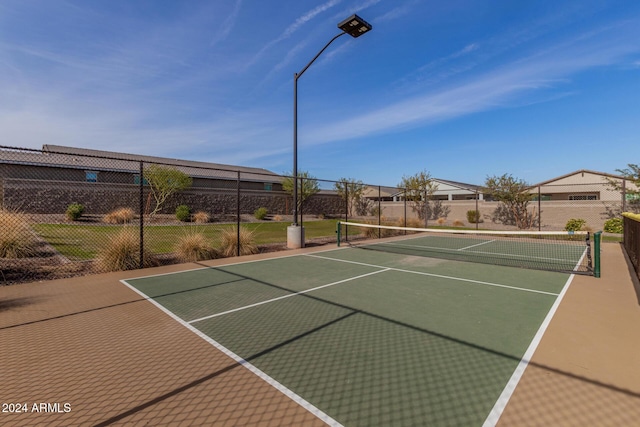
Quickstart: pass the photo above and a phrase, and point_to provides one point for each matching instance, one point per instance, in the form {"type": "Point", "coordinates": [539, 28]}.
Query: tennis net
{"type": "Point", "coordinates": [575, 252]}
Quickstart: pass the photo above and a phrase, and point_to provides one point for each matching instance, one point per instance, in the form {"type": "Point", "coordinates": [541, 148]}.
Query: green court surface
{"type": "Point", "coordinates": [365, 338]}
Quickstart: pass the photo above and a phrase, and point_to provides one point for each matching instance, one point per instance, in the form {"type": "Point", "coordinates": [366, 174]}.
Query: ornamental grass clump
{"type": "Point", "coordinates": [17, 240]}
{"type": "Point", "coordinates": [194, 247]}
{"type": "Point", "coordinates": [122, 252]}
{"type": "Point", "coordinates": [201, 217]}
{"type": "Point", "coordinates": [229, 241]}
{"type": "Point", "coordinates": [119, 216]}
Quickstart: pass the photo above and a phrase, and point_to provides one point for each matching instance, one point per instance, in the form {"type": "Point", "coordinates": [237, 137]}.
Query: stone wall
{"type": "Point", "coordinates": [53, 197]}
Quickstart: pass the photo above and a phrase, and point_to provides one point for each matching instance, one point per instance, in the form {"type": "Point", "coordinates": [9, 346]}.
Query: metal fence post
{"type": "Point", "coordinates": [238, 214]}
{"type": "Point", "coordinates": [624, 195]}
{"type": "Point", "coordinates": [379, 212]}
{"type": "Point", "coordinates": [141, 210]}
{"type": "Point", "coordinates": [539, 209]}
{"type": "Point", "coordinates": [404, 196]}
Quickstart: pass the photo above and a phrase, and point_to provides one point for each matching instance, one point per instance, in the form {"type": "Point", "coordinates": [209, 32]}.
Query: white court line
{"type": "Point", "coordinates": [526, 257]}
{"type": "Point", "coordinates": [506, 394]}
{"type": "Point", "coordinates": [286, 296]}
{"type": "Point", "coordinates": [501, 403]}
{"type": "Point", "coordinates": [477, 244]}
{"type": "Point", "coordinates": [459, 279]}
{"type": "Point", "coordinates": [260, 374]}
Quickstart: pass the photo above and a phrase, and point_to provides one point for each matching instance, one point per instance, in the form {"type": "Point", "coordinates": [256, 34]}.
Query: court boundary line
{"type": "Point", "coordinates": [241, 361]}
{"type": "Point", "coordinates": [502, 401]}
{"type": "Point", "coordinates": [441, 276]}
{"type": "Point", "coordinates": [286, 296]}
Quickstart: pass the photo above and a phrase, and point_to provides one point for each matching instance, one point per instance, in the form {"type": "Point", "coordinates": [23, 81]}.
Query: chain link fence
{"type": "Point", "coordinates": [551, 207]}
{"type": "Point", "coordinates": [70, 213]}
{"type": "Point", "coordinates": [64, 214]}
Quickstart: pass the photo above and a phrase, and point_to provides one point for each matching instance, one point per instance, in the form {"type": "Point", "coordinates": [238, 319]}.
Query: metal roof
{"type": "Point", "coordinates": [82, 158]}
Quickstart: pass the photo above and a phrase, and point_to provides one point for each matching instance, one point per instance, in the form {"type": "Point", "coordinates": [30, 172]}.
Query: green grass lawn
{"type": "Point", "coordinates": [82, 241]}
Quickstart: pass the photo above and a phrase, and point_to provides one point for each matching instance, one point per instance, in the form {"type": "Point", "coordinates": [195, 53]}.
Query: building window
{"type": "Point", "coordinates": [583, 197]}
{"type": "Point", "coordinates": [136, 180]}
{"type": "Point", "coordinates": [91, 176]}
{"type": "Point", "coordinates": [268, 186]}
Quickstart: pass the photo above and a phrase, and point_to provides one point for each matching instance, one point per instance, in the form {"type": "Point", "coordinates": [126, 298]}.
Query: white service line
{"type": "Point", "coordinates": [516, 256]}
{"type": "Point", "coordinates": [459, 279]}
{"type": "Point", "coordinates": [477, 244]}
{"type": "Point", "coordinates": [286, 296]}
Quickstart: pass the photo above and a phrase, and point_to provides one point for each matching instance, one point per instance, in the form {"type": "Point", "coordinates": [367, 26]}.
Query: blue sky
{"type": "Point", "coordinates": [462, 89]}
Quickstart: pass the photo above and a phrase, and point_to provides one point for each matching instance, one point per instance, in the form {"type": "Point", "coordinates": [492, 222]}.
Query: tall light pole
{"type": "Point", "coordinates": [355, 27]}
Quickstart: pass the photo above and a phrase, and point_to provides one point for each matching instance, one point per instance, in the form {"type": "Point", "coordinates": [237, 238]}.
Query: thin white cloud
{"type": "Point", "coordinates": [291, 29]}
{"type": "Point", "coordinates": [500, 88]}
{"type": "Point", "coordinates": [307, 17]}
{"type": "Point", "coordinates": [228, 24]}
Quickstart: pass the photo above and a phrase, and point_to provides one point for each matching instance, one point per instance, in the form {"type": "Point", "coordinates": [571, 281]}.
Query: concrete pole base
{"type": "Point", "coordinates": [295, 237]}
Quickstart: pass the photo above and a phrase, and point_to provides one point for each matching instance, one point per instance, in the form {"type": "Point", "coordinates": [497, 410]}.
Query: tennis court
{"type": "Point", "coordinates": [369, 337]}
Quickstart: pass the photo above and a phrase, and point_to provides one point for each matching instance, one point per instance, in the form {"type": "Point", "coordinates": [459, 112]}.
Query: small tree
{"type": "Point", "coordinates": [163, 182]}
{"type": "Point", "coordinates": [307, 186]}
{"type": "Point", "coordinates": [351, 191]}
{"type": "Point", "coordinates": [514, 196]}
{"type": "Point", "coordinates": [419, 189]}
{"type": "Point", "coordinates": [631, 173]}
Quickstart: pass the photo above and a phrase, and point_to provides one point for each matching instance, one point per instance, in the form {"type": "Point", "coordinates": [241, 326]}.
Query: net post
{"type": "Point", "coordinates": [338, 232]}
{"type": "Point", "coordinates": [596, 254]}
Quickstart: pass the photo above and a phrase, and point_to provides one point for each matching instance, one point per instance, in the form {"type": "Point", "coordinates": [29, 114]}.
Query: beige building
{"type": "Point", "coordinates": [584, 185]}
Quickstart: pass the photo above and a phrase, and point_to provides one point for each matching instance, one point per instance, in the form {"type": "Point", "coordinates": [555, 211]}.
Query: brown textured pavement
{"type": "Point", "coordinates": [115, 359]}
{"type": "Point", "coordinates": [586, 370]}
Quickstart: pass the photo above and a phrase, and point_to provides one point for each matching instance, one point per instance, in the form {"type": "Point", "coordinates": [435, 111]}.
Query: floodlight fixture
{"type": "Point", "coordinates": [354, 26]}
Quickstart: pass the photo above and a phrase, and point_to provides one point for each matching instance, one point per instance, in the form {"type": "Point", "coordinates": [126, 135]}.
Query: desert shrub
{"type": "Point", "coordinates": [229, 241]}
{"type": "Point", "coordinates": [183, 213]}
{"type": "Point", "coordinates": [122, 252]}
{"type": "Point", "coordinates": [201, 217]}
{"type": "Point", "coordinates": [473, 217]}
{"type": "Point", "coordinates": [613, 225]}
{"type": "Point", "coordinates": [74, 211]}
{"type": "Point", "coordinates": [374, 233]}
{"type": "Point", "coordinates": [374, 211]}
{"type": "Point", "coordinates": [458, 223]}
{"type": "Point", "coordinates": [119, 216]}
{"type": "Point", "coordinates": [194, 247]}
{"type": "Point", "coordinates": [16, 238]}
{"type": "Point", "coordinates": [260, 213]}
{"type": "Point", "coordinates": [575, 224]}
{"type": "Point", "coordinates": [441, 221]}
{"type": "Point", "coordinates": [415, 223]}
